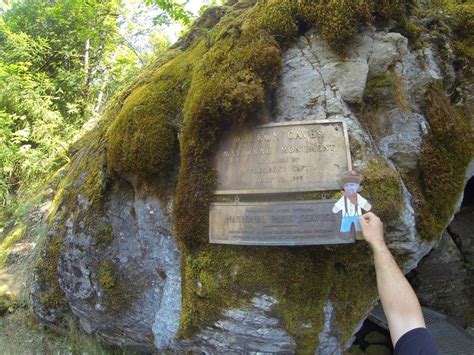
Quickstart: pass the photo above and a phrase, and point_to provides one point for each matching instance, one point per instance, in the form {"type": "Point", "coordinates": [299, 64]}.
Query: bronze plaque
{"type": "Point", "coordinates": [276, 223]}
{"type": "Point", "coordinates": [283, 157]}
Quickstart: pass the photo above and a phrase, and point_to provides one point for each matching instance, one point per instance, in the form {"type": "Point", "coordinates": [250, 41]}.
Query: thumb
{"type": "Point", "coordinates": [365, 219]}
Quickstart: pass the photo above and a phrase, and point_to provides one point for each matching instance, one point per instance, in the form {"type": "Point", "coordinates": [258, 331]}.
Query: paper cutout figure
{"type": "Point", "coordinates": [351, 204]}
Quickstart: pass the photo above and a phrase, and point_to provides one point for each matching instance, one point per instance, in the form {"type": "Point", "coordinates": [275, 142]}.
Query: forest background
{"type": "Point", "coordinates": [60, 61]}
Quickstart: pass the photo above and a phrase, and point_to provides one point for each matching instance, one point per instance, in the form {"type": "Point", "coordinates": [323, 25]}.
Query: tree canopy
{"type": "Point", "coordinates": [60, 60]}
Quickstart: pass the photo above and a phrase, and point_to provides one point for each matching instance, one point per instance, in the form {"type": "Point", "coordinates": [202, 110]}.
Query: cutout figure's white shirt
{"type": "Point", "coordinates": [351, 208]}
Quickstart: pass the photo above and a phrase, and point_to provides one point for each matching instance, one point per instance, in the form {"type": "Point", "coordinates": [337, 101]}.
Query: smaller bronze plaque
{"type": "Point", "coordinates": [276, 223]}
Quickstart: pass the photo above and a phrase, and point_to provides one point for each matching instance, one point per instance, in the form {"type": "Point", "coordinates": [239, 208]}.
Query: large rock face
{"type": "Point", "coordinates": [127, 250]}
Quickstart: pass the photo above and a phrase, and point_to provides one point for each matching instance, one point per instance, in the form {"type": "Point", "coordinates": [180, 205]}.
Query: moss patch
{"type": "Point", "coordinates": [46, 271]}
{"type": "Point", "coordinates": [119, 292]}
{"type": "Point", "coordinates": [443, 162]}
{"type": "Point", "coordinates": [7, 302]}
{"type": "Point", "coordinates": [104, 236]}
{"type": "Point", "coordinates": [119, 289]}
{"type": "Point", "coordinates": [382, 189]}
{"type": "Point", "coordinates": [301, 279]}
{"type": "Point", "coordinates": [142, 139]}
{"type": "Point", "coordinates": [461, 19]}
{"type": "Point", "coordinates": [337, 20]}
{"type": "Point", "coordinates": [386, 86]}
{"type": "Point", "coordinates": [228, 87]}
{"type": "Point", "coordinates": [107, 279]}
{"type": "Point", "coordinates": [10, 239]}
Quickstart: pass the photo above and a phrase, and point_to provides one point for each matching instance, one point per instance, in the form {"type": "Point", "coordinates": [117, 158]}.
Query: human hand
{"type": "Point", "coordinates": [372, 230]}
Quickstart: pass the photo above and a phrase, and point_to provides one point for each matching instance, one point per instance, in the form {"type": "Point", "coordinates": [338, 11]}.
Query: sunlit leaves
{"type": "Point", "coordinates": [172, 10]}
{"type": "Point", "coordinates": [60, 61]}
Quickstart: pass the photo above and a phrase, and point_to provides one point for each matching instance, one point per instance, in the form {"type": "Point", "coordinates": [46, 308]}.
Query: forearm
{"type": "Point", "coordinates": [399, 301]}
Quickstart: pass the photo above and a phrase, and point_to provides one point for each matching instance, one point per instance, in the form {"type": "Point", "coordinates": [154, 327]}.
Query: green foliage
{"type": "Point", "coordinates": [33, 136]}
{"type": "Point", "coordinates": [44, 86]}
{"type": "Point", "coordinates": [59, 61]}
{"type": "Point", "coordinates": [71, 61]}
{"type": "Point", "coordinates": [172, 10]}
{"type": "Point", "coordinates": [22, 334]}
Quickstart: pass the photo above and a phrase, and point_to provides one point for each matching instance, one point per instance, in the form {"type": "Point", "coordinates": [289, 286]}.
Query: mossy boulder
{"type": "Point", "coordinates": [128, 249]}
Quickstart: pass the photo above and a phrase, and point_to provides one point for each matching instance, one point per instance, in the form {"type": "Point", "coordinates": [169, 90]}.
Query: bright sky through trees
{"type": "Point", "coordinates": [175, 29]}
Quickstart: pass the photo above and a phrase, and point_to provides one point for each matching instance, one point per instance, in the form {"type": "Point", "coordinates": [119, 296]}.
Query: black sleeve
{"type": "Point", "coordinates": [417, 341]}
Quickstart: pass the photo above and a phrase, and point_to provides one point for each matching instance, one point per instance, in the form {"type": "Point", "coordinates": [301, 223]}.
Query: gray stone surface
{"type": "Point", "coordinates": [443, 282]}
{"type": "Point", "coordinates": [317, 84]}
{"type": "Point", "coordinates": [462, 231]}
{"type": "Point", "coordinates": [403, 145]}
{"type": "Point", "coordinates": [248, 330]}
{"type": "Point", "coordinates": [329, 339]}
{"type": "Point", "coordinates": [309, 67]}
{"type": "Point", "coordinates": [148, 272]}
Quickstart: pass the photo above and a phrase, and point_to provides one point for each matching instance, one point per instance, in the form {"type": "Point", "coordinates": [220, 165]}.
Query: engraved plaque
{"type": "Point", "coordinates": [283, 157]}
{"type": "Point", "coordinates": [276, 223]}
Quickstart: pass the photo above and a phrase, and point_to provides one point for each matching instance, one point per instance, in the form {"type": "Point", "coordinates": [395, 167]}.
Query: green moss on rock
{"type": "Point", "coordinates": [301, 279]}
{"type": "Point", "coordinates": [275, 17]}
{"type": "Point", "coordinates": [460, 19]}
{"type": "Point", "coordinates": [377, 350]}
{"type": "Point", "coordinates": [444, 158]}
{"type": "Point", "coordinates": [107, 279]}
{"type": "Point", "coordinates": [7, 302]}
{"type": "Point", "coordinates": [10, 239]}
{"type": "Point", "coordinates": [375, 337]}
{"type": "Point", "coordinates": [338, 23]}
{"type": "Point", "coordinates": [46, 272]}
{"type": "Point", "coordinates": [118, 291]}
{"type": "Point", "coordinates": [354, 287]}
{"type": "Point", "coordinates": [385, 86]}
{"type": "Point", "coordinates": [227, 88]}
{"type": "Point", "coordinates": [142, 140]}
{"type": "Point", "coordinates": [382, 188]}
{"type": "Point", "coordinates": [104, 236]}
